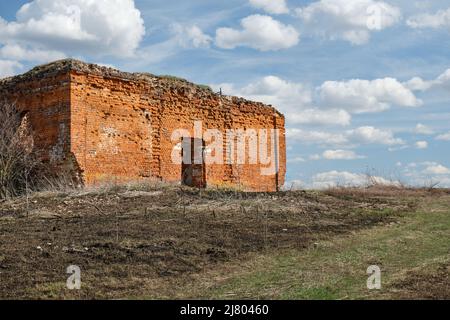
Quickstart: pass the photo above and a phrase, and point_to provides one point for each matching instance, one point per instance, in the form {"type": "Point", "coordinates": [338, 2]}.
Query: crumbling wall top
{"type": "Point", "coordinates": [68, 65]}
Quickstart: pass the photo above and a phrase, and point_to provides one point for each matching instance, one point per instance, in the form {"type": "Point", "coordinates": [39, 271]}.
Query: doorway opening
{"type": "Point", "coordinates": [193, 169]}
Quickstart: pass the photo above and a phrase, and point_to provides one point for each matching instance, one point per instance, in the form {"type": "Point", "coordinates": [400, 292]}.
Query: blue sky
{"type": "Point", "coordinates": [364, 84]}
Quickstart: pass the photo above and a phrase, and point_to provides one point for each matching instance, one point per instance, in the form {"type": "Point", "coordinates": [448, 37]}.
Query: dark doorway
{"type": "Point", "coordinates": [193, 168]}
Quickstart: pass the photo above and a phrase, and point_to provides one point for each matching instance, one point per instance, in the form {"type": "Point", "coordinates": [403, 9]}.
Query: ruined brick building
{"type": "Point", "coordinates": [105, 125]}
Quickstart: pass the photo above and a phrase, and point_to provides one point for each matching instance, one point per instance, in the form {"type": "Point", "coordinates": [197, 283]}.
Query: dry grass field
{"type": "Point", "coordinates": [168, 242]}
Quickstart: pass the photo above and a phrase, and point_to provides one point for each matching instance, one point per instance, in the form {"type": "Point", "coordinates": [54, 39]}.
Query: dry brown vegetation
{"type": "Point", "coordinates": [425, 284]}
{"type": "Point", "coordinates": [22, 169]}
{"type": "Point", "coordinates": [18, 159]}
{"type": "Point", "coordinates": [380, 190]}
{"type": "Point", "coordinates": [148, 240]}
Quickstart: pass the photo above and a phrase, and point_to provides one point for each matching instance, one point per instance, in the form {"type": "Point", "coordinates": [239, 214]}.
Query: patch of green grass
{"type": "Point", "coordinates": [204, 87]}
{"type": "Point", "coordinates": [336, 269]}
{"type": "Point", "coordinates": [172, 78]}
{"type": "Point", "coordinates": [178, 79]}
{"type": "Point", "coordinates": [52, 290]}
{"type": "Point", "coordinates": [316, 293]}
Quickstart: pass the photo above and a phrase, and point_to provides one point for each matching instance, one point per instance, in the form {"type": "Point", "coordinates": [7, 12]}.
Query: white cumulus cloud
{"type": "Point", "coordinates": [191, 36]}
{"type": "Point", "coordinates": [9, 68]}
{"type": "Point", "coordinates": [271, 6]}
{"type": "Point", "coordinates": [371, 135]}
{"type": "Point", "coordinates": [444, 137]}
{"type": "Point", "coordinates": [101, 27]}
{"type": "Point", "coordinates": [17, 52]}
{"type": "Point", "coordinates": [349, 20]}
{"type": "Point", "coordinates": [316, 137]}
{"type": "Point", "coordinates": [335, 178]}
{"type": "Point", "coordinates": [296, 160]}
{"type": "Point", "coordinates": [274, 90]}
{"type": "Point", "coordinates": [258, 32]}
{"type": "Point", "coordinates": [436, 169]}
{"type": "Point", "coordinates": [419, 84]}
{"type": "Point", "coordinates": [423, 129]}
{"type": "Point", "coordinates": [429, 173]}
{"type": "Point", "coordinates": [443, 80]}
{"type": "Point", "coordinates": [349, 138]}
{"type": "Point", "coordinates": [331, 103]}
{"type": "Point", "coordinates": [421, 144]}
{"type": "Point", "coordinates": [341, 155]}
{"type": "Point", "coordinates": [364, 96]}
{"type": "Point", "coordinates": [320, 117]}
{"type": "Point", "coordinates": [292, 98]}
{"type": "Point", "coordinates": [440, 19]}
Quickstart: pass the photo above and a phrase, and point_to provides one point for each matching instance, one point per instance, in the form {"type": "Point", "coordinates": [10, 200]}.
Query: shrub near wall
{"type": "Point", "coordinates": [18, 161]}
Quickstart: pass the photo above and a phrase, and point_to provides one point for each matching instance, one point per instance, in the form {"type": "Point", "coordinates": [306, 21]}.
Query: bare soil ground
{"type": "Point", "coordinates": [149, 242]}
{"type": "Point", "coordinates": [433, 285]}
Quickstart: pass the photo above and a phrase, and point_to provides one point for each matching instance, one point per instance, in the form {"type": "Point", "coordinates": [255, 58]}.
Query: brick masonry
{"type": "Point", "coordinates": [105, 125]}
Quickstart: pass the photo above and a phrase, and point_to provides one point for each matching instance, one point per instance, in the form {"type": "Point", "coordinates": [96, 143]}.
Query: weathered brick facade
{"type": "Point", "coordinates": [106, 125]}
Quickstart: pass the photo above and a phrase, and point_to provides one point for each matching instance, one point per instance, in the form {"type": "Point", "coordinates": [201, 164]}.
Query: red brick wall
{"type": "Point", "coordinates": [46, 100]}
{"type": "Point", "coordinates": [122, 129]}
{"type": "Point", "coordinates": [117, 126]}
